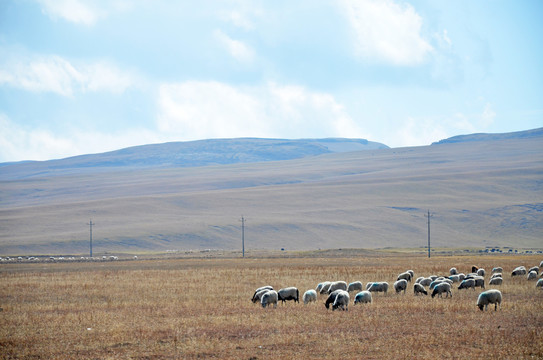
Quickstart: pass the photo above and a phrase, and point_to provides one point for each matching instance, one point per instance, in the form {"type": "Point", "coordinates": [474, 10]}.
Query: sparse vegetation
{"type": "Point", "coordinates": [201, 308]}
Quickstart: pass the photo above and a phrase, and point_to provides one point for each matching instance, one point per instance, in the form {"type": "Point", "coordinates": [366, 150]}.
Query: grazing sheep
{"type": "Point", "coordinates": [267, 287]}
{"type": "Point", "coordinates": [379, 287]}
{"type": "Point", "coordinates": [419, 289]}
{"type": "Point", "coordinates": [289, 293]}
{"type": "Point", "coordinates": [325, 287]}
{"type": "Point", "coordinates": [532, 275]}
{"type": "Point", "coordinates": [497, 270]}
{"type": "Point", "coordinates": [439, 289]}
{"type": "Point", "coordinates": [479, 282]}
{"type": "Point", "coordinates": [337, 285]}
{"type": "Point", "coordinates": [319, 287]}
{"type": "Point", "coordinates": [466, 284]}
{"type": "Point", "coordinates": [341, 301]}
{"type": "Point", "coordinates": [433, 277]}
{"type": "Point", "coordinates": [309, 296]}
{"type": "Point", "coordinates": [434, 283]}
{"type": "Point", "coordinates": [270, 297]}
{"type": "Point", "coordinates": [454, 278]}
{"type": "Point", "coordinates": [400, 285]}
{"type": "Point", "coordinates": [539, 284]}
{"type": "Point", "coordinates": [355, 286]}
{"type": "Point", "coordinates": [331, 298]}
{"type": "Point", "coordinates": [453, 271]}
{"type": "Point", "coordinates": [520, 270]}
{"type": "Point", "coordinates": [363, 297]}
{"type": "Point", "coordinates": [534, 268]}
{"type": "Point", "coordinates": [368, 285]}
{"type": "Point", "coordinates": [419, 279]}
{"type": "Point", "coordinates": [258, 296]}
{"type": "Point", "coordinates": [461, 276]}
{"type": "Point", "coordinates": [489, 297]}
{"type": "Point", "coordinates": [426, 281]}
{"type": "Point", "coordinates": [496, 281]}
{"type": "Point", "coordinates": [474, 269]}
{"type": "Point", "coordinates": [412, 273]}
{"type": "Point", "coordinates": [406, 276]}
{"type": "Point", "coordinates": [541, 264]}
{"type": "Point", "coordinates": [496, 275]}
{"type": "Point", "coordinates": [481, 272]}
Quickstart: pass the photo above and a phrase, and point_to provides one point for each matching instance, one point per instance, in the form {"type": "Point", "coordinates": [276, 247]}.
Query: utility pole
{"type": "Point", "coordinates": [243, 235]}
{"type": "Point", "coordinates": [90, 225]}
{"type": "Point", "coordinates": [428, 216]}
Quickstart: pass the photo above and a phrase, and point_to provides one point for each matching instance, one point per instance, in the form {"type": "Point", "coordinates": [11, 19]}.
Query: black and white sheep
{"type": "Point", "coordinates": [419, 289]}
{"type": "Point", "coordinates": [341, 301]}
{"type": "Point", "coordinates": [331, 298]}
{"type": "Point", "coordinates": [400, 285]}
{"type": "Point", "coordinates": [378, 287]}
{"type": "Point", "coordinates": [309, 296]}
{"type": "Point", "coordinates": [439, 289]}
{"type": "Point", "coordinates": [289, 293]}
{"type": "Point", "coordinates": [492, 296]}
{"type": "Point", "coordinates": [355, 286]}
{"type": "Point", "coordinates": [260, 289]}
{"type": "Point", "coordinates": [532, 275]}
{"type": "Point", "coordinates": [496, 275]}
{"type": "Point", "coordinates": [258, 296]}
{"type": "Point", "coordinates": [363, 297]}
{"type": "Point", "coordinates": [534, 268]}
{"type": "Point", "coordinates": [496, 281]}
{"type": "Point", "coordinates": [270, 297]}
{"type": "Point", "coordinates": [337, 285]}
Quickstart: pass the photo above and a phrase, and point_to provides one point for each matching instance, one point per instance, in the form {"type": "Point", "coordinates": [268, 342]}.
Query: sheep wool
{"type": "Point", "coordinates": [489, 297]}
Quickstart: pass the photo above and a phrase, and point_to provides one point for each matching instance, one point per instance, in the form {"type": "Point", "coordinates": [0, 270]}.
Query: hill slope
{"type": "Point", "coordinates": [483, 193]}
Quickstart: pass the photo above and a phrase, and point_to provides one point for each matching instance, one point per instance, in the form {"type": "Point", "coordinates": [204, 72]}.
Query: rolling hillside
{"type": "Point", "coordinates": [330, 194]}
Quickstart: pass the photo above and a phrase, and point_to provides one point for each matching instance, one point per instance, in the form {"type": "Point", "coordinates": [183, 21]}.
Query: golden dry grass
{"type": "Point", "coordinates": [201, 308]}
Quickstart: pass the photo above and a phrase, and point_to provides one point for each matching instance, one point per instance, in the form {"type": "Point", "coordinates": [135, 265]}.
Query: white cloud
{"type": "Point", "coordinates": [75, 11]}
{"type": "Point", "coordinates": [385, 31]}
{"type": "Point", "coordinates": [197, 110]}
{"type": "Point", "coordinates": [57, 75]}
{"type": "Point", "coordinates": [488, 115]}
{"type": "Point", "coordinates": [237, 49]}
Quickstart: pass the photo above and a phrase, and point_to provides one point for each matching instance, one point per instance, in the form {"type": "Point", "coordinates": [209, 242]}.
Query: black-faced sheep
{"type": "Point", "coordinates": [496, 281]}
{"type": "Point", "coordinates": [520, 270]}
{"type": "Point", "coordinates": [534, 268]}
{"type": "Point", "coordinates": [439, 289]}
{"type": "Point", "coordinates": [331, 298]}
{"type": "Point", "coordinates": [355, 286]}
{"type": "Point", "coordinates": [532, 275]}
{"type": "Point", "coordinates": [492, 296]}
{"type": "Point", "coordinates": [258, 296]}
{"type": "Point", "coordinates": [267, 287]}
{"type": "Point", "coordinates": [289, 293]}
{"type": "Point", "coordinates": [419, 289]}
{"type": "Point", "coordinates": [379, 287]}
{"type": "Point", "coordinates": [363, 297]}
{"type": "Point", "coordinates": [400, 285]}
{"type": "Point", "coordinates": [341, 301]}
{"type": "Point", "coordinates": [270, 297]}
{"type": "Point", "coordinates": [337, 285]}
{"type": "Point", "coordinates": [309, 296]}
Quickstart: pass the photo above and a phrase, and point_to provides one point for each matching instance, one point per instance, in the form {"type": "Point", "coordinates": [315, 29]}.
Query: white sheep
{"type": "Point", "coordinates": [481, 272]}
{"type": "Point", "coordinates": [466, 284]}
{"type": "Point", "coordinates": [532, 275]}
{"type": "Point", "coordinates": [419, 289]}
{"type": "Point", "coordinates": [258, 296]}
{"type": "Point", "coordinates": [309, 296]}
{"type": "Point", "coordinates": [379, 287]}
{"type": "Point", "coordinates": [363, 297]}
{"type": "Point", "coordinates": [355, 286]}
{"type": "Point", "coordinates": [267, 287]}
{"type": "Point", "coordinates": [406, 276]}
{"type": "Point", "coordinates": [439, 289]}
{"type": "Point", "coordinates": [289, 293]}
{"type": "Point", "coordinates": [319, 287]}
{"type": "Point", "coordinates": [400, 285]}
{"type": "Point", "coordinates": [426, 281]}
{"type": "Point", "coordinates": [331, 298]}
{"type": "Point", "coordinates": [492, 296]}
{"type": "Point", "coordinates": [325, 287]}
{"type": "Point", "coordinates": [454, 278]}
{"type": "Point", "coordinates": [270, 297]}
{"type": "Point", "coordinates": [497, 270]}
{"type": "Point", "coordinates": [496, 281]}
{"type": "Point", "coordinates": [337, 285]}
{"type": "Point", "coordinates": [479, 282]}
{"type": "Point", "coordinates": [496, 275]}
{"type": "Point", "coordinates": [341, 301]}
{"type": "Point", "coordinates": [453, 271]}
{"type": "Point", "coordinates": [419, 279]}
{"type": "Point", "coordinates": [534, 268]}
{"type": "Point", "coordinates": [519, 270]}
{"type": "Point", "coordinates": [539, 284]}
{"type": "Point", "coordinates": [412, 273]}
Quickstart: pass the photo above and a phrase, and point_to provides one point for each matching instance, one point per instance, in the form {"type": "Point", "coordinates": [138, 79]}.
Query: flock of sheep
{"type": "Point", "coordinates": [339, 291]}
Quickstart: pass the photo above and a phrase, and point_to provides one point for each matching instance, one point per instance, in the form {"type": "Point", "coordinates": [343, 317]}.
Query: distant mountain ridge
{"type": "Point", "coordinates": [194, 154]}
{"type": "Point", "coordinates": [492, 137]}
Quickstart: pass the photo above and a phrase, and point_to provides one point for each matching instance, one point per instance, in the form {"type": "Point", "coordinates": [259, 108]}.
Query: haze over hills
{"type": "Point", "coordinates": [295, 194]}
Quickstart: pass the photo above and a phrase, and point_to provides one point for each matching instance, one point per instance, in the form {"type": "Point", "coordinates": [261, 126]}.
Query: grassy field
{"type": "Point", "coordinates": [201, 308]}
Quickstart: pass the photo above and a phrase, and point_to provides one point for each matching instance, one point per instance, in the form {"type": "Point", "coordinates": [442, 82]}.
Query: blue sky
{"type": "Point", "coordinates": [80, 76]}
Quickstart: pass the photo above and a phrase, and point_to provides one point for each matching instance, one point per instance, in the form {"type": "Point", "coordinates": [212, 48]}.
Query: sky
{"type": "Point", "coordinates": [89, 76]}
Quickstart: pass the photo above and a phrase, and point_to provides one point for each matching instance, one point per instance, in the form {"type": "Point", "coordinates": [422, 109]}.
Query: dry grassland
{"type": "Point", "coordinates": [201, 308]}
